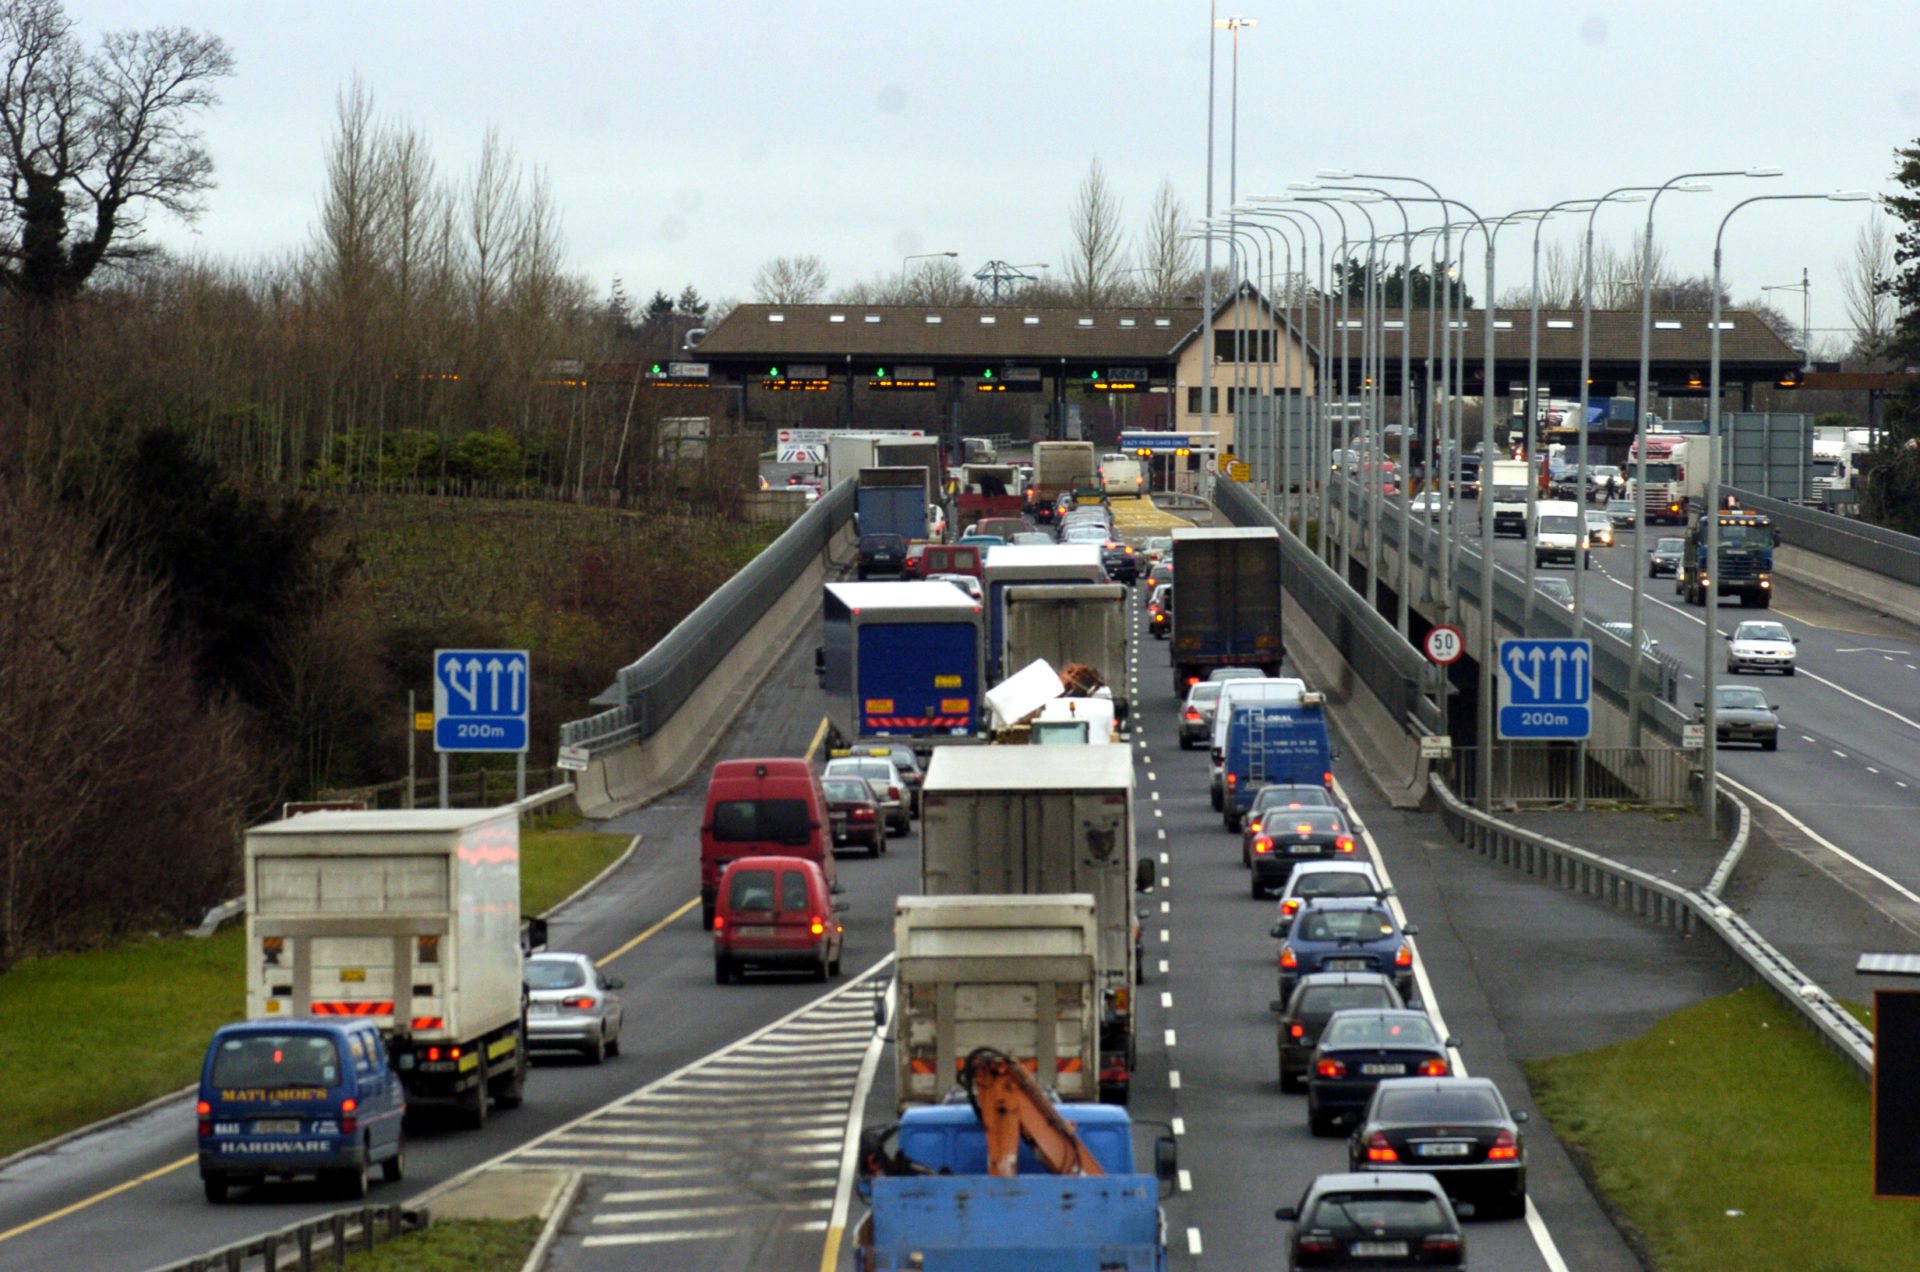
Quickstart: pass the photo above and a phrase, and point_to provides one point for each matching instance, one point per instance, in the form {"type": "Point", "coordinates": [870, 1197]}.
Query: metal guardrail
{"type": "Point", "coordinates": [1394, 670]}
{"type": "Point", "coordinates": [664, 677]}
{"type": "Point", "coordinates": [317, 1242]}
{"type": "Point", "coordinates": [1860, 544]}
{"type": "Point", "coordinates": [1537, 774]}
{"type": "Point", "coordinates": [1650, 897]}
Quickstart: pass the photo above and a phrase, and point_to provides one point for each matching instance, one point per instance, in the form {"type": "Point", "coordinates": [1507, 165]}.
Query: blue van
{"type": "Point", "coordinates": [300, 1097]}
{"type": "Point", "coordinates": [1272, 742]}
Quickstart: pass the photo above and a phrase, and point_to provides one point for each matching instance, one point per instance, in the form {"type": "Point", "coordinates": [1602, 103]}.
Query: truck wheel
{"type": "Point", "coordinates": [513, 1092]}
{"type": "Point", "coordinates": [349, 1184]}
{"type": "Point", "coordinates": [1217, 799]}
{"type": "Point", "coordinates": [1231, 817]}
{"type": "Point", "coordinates": [476, 1110]}
{"type": "Point", "coordinates": [1259, 890]}
{"type": "Point", "coordinates": [215, 1183]}
{"type": "Point", "coordinates": [394, 1169]}
{"type": "Point", "coordinates": [1115, 1093]}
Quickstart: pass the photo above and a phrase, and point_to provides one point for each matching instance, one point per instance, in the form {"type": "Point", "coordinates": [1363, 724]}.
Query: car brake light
{"type": "Point", "coordinates": [1303, 828]}
{"type": "Point", "coordinates": [1504, 1148]}
{"type": "Point", "coordinates": [1263, 845]}
{"type": "Point", "coordinates": [1232, 780]}
{"type": "Point", "coordinates": [349, 1120]}
{"type": "Point", "coordinates": [1328, 1067]}
{"type": "Point", "coordinates": [1315, 1243]}
{"type": "Point", "coordinates": [1326, 779]}
{"type": "Point", "coordinates": [1297, 1029]}
{"type": "Point", "coordinates": [579, 1000]}
{"type": "Point", "coordinates": [816, 926]}
{"type": "Point", "coordinates": [204, 1112]}
{"type": "Point", "coordinates": [719, 921]}
{"type": "Point", "coordinates": [1192, 681]}
{"type": "Point", "coordinates": [863, 814]}
{"type": "Point", "coordinates": [1403, 957]}
{"type": "Point", "coordinates": [433, 1053]}
{"type": "Point", "coordinates": [1433, 1069]}
{"type": "Point", "coordinates": [1344, 843]}
{"type": "Point", "coordinates": [1193, 716]}
{"type": "Point", "coordinates": [1378, 1150]}
{"type": "Point", "coordinates": [1287, 958]}
{"type": "Point", "coordinates": [893, 792]}
{"type": "Point", "coordinates": [1445, 1243]}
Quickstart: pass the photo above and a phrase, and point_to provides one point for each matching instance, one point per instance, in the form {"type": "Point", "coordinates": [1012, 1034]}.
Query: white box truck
{"type": "Point", "coordinates": [1074, 623]}
{"type": "Point", "coordinates": [411, 918]}
{"type": "Point", "coordinates": [1509, 482]}
{"type": "Point", "coordinates": [1013, 973]}
{"type": "Point", "coordinates": [1016, 821]}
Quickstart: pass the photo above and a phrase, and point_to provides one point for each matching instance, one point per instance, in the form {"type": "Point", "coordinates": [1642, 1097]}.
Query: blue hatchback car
{"type": "Point", "coordinates": [1347, 934]}
{"type": "Point", "coordinates": [280, 1099]}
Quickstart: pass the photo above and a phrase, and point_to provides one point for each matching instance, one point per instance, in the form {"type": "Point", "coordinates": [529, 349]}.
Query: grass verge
{"type": "Point", "coordinates": [454, 1245]}
{"type": "Point", "coordinates": [84, 1036]}
{"type": "Point", "coordinates": [1731, 1139]}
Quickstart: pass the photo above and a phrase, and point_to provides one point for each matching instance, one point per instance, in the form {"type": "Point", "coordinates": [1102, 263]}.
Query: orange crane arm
{"type": "Point", "coordinates": [1012, 1107]}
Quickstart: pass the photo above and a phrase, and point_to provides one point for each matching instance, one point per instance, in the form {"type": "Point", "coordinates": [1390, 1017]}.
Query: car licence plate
{"type": "Point", "coordinates": [277, 1126]}
{"type": "Point", "coordinates": [1380, 1249]}
{"type": "Point", "coordinates": [1346, 964]}
{"type": "Point", "coordinates": [756, 930]}
{"type": "Point", "coordinates": [1383, 1070]}
{"type": "Point", "coordinates": [541, 1009]}
{"type": "Point", "coordinates": [1444, 1150]}
{"type": "Point", "coordinates": [1299, 848]}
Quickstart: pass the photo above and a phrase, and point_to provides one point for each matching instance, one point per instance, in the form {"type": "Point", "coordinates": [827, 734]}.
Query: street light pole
{"type": "Point", "coordinates": [1805, 288]}
{"type": "Point", "coordinates": [1206, 277]}
{"type": "Point", "coordinates": [1710, 719]}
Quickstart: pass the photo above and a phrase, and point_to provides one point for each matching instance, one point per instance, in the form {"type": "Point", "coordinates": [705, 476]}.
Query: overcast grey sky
{"type": "Point", "coordinates": [690, 141]}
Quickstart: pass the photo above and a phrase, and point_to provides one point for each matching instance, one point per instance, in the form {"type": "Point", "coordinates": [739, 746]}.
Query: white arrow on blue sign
{"type": "Point", "coordinates": [1546, 690]}
{"type": "Point", "coordinates": [480, 699]}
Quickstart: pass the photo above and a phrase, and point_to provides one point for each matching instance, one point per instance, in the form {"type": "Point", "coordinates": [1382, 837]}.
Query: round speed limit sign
{"type": "Point", "coordinates": [1445, 645]}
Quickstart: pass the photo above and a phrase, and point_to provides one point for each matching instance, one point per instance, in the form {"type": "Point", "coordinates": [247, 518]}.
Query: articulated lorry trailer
{"type": "Point", "coordinates": [1015, 821]}
{"type": "Point", "coordinates": [1018, 974]}
{"type": "Point", "coordinates": [409, 917]}
{"type": "Point", "coordinates": [1227, 582]}
{"type": "Point", "coordinates": [893, 501]}
{"type": "Point", "coordinates": [902, 661]}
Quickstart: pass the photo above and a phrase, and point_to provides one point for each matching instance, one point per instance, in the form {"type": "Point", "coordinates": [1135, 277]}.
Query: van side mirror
{"type": "Point", "coordinates": [1166, 1159]}
{"type": "Point", "coordinates": [1143, 875]}
{"type": "Point", "coordinates": [1519, 1116]}
{"type": "Point", "coordinates": [1287, 1214]}
{"type": "Point", "coordinates": [533, 935]}
{"type": "Point", "coordinates": [1412, 929]}
{"type": "Point", "coordinates": [614, 982]}
{"type": "Point", "coordinates": [1278, 931]}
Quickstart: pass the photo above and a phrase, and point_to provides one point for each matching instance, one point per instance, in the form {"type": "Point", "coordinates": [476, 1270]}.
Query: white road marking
{"type": "Point", "coordinates": [1186, 1181]}
{"type": "Point", "coordinates": [1163, 967]}
{"type": "Point", "coordinates": [1872, 769]}
{"type": "Point", "coordinates": [1841, 754]}
{"type": "Point", "coordinates": [1152, 776]}
{"type": "Point", "coordinates": [1165, 936]}
{"type": "Point", "coordinates": [1158, 813]}
{"type": "Point", "coordinates": [1823, 841]}
{"type": "Point", "coordinates": [1166, 907]}
{"type": "Point", "coordinates": [1165, 882]}
{"type": "Point", "coordinates": [1173, 1079]}
{"type": "Point", "coordinates": [1166, 998]}
{"type": "Point", "coordinates": [1193, 1241]}
{"type": "Point", "coordinates": [708, 1212]}
{"type": "Point", "coordinates": [1170, 1039]}
{"type": "Point", "coordinates": [1179, 1126]}
{"type": "Point", "coordinates": [1156, 795]}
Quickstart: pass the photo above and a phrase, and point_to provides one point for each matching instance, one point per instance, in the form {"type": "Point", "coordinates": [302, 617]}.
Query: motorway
{"type": "Point", "coordinates": [715, 1140]}
{"type": "Point", "coordinates": [1848, 767]}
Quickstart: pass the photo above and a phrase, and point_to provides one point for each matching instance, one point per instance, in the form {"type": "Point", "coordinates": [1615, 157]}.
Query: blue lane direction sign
{"type": "Point", "coordinates": [1546, 690]}
{"type": "Point", "coordinates": [480, 699]}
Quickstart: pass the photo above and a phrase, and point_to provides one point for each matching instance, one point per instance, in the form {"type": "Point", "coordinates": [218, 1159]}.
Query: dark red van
{"type": "Point", "coordinates": [775, 913]}
{"type": "Point", "coordinates": [950, 558]}
{"type": "Point", "coordinates": [758, 808]}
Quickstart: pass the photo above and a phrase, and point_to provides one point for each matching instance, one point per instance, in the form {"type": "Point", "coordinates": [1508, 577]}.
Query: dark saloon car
{"type": "Point", "coordinates": [1314, 1001]}
{"type": "Point", "coordinates": [1384, 1222]}
{"type": "Point", "coordinates": [1279, 795]}
{"type": "Point", "coordinates": [1289, 836]}
{"type": "Point", "coordinates": [854, 815]}
{"type": "Point", "coordinates": [1341, 934]}
{"type": "Point", "coordinates": [1122, 562]}
{"type": "Point", "coordinates": [1743, 714]}
{"type": "Point", "coordinates": [1664, 560]}
{"type": "Point", "coordinates": [1160, 612]}
{"type": "Point", "coordinates": [881, 554]}
{"type": "Point", "coordinates": [1458, 1130]}
{"type": "Point", "coordinates": [1357, 1050]}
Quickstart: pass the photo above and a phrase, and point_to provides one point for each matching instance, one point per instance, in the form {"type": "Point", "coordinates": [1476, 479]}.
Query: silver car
{"type": "Point", "coordinates": [1761, 645]}
{"type": "Point", "coordinates": [1196, 715]}
{"type": "Point", "coordinates": [571, 1005]}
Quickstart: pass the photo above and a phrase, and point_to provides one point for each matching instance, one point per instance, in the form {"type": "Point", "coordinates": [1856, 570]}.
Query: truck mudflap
{"type": "Point", "coordinates": [963, 1223]}
{"type": "Point", "coordinates": [443, 1073]}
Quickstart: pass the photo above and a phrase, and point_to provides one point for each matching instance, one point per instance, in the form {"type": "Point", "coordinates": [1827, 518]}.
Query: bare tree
{"type": "Point", "coordinates": [790, 280]}
{"type": "Point", "coordinates": [939, 281]}
{"type": "Point", "coordinates": [1865, 283]}
{"type": "Point", "coordinates": [104, 135]}
{"type": "Point", "coordinates": [1093, 260]}
{"type": "Point", "coordinates": [1167, 258]}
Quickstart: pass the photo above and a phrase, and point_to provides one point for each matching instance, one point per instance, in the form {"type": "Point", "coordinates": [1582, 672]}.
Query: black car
{"type": "Point", "coordinates": [1664, 560]}
{"type": "Point", "coordinates": [1160, 612]}
{"type": "Point", "coordinates": [1359, 1048]}
{"type": "Point", "coordinates": [1279, 795]}
{"type": "Point", "coordinates": [881, 554]}
{"type": "Point", "coordinates": [1291, 835]}
{"type": "Point", "coordinates": [1122, 562]}
{"type": "Point", "coordinates": [1458, 1130]}
{"type": "Point", "coordinates": [1375, 1221]}
{"type": "Point", "coordinates": [1314, 1001]}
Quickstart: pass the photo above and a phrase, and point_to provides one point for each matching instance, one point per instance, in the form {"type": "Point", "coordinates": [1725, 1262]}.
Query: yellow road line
{"type": "Point", "coordinates": [830, 1257]}
{"type": "Point", "coordinates": [649, 932]}
{"type": "Point", "coordinates": [114, 1191]}
{"type": "Point", "coordinates": [819, 736]}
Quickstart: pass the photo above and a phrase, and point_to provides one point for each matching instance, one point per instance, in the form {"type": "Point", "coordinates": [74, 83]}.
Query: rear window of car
{"type": "Point", "coordinates": [793, 890]}
{"type": "Point", "coordinates": [1302, 821]}
{"type": "Point", "coordinates": [846, 788]}
{"type": "Point", "coordinates": [1332, 884]}
{"type": "Point", "coordinates": [1367, 1212]}
{"type": "Point", "coordinates": [750, 890]}
{"type": "Point", "coordinates": [1442, 1105]}
{"type": "Point", "coordinates": [1355, 925]}
{"type": "Point", "coordinates": [881, 770]}
{"type": "Point", "coordinates": [554, 973]}
{"type": "Point", "coordinates": [1380, 1031]}
{"type": "Point", "coordinates": [750, 821]}
{"type": "Point", "coordinates": [1330, 998]}
{"type": "Point", "coordinates": [277, 1060]}
{"type": "Point", "coordinates": [1206, 691]}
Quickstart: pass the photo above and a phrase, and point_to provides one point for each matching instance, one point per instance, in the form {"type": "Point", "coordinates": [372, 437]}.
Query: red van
{"type": "Point", "coordinates": [776, 913]}
{"type": "Point", "coordinates": [950, 558]}
{"type": "Point", "coordinates": [758, 808]}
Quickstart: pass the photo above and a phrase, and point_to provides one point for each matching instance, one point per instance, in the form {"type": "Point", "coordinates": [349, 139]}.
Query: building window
{"type": "Point", "coordinates": [1193, 400]}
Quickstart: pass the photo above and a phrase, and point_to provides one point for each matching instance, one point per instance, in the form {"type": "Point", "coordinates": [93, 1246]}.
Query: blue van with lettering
{"type": "Point", "coordinates": [300, 1097]}
{"type": "Point", "coordinates": [1272, 743]}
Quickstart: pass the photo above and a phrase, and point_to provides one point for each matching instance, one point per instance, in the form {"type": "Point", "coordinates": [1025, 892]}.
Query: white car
{"type": "Point", "coordinates": [936, 523]}
{"type": "Point", "coordinates": [965, 582]}
{"type": "Point", "coordinates": [1426, 504]}
{"type": "Point", "coordinates": [1311, 879]}
{"type": "Point", "coordinates": [1761, 645]}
